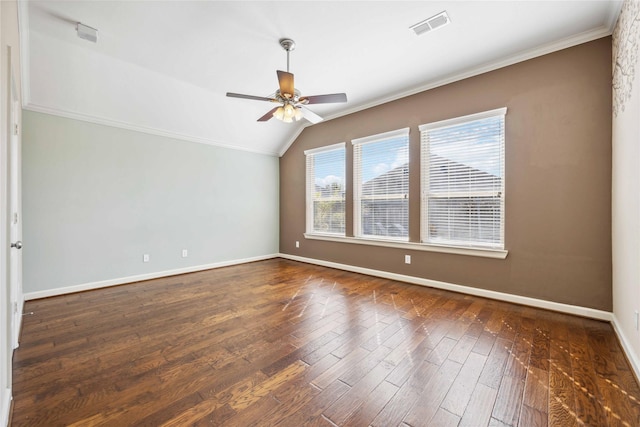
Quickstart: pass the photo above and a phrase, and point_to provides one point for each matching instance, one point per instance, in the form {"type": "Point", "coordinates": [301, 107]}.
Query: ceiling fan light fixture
{"type": "Point", "coordinates": [289, 111]}
{"type": "Point", "coordinates": [279, 113]}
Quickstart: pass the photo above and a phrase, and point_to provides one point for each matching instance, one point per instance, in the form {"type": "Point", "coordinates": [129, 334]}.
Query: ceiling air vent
{"type": "Point", "coordinates": [430, 24]}
{"type": "Point", "coordinates": [86, 32]}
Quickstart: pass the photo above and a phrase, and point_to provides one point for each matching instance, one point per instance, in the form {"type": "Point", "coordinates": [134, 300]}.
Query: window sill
{"type": "Point", "coordinates": [479, 252]}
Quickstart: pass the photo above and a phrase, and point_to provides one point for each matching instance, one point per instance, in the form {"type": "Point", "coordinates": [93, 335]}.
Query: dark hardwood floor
{"type": "Point", "coordinates": [290, 344]}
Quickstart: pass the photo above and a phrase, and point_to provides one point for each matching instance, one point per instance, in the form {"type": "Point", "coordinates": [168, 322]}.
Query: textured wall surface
{"type": "Point", "coordinates": [626, 176]}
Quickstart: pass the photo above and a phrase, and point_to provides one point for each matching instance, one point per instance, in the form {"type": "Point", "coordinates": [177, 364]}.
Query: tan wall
{"type": "Point", "coordinates": [558, 179]}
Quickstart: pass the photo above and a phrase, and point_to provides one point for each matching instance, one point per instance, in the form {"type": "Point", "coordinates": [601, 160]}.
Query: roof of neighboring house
{"type": "Point", "coordinates": [396, 180]}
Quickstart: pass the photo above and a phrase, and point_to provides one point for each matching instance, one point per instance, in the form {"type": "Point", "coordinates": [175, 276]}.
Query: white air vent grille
{"type": "Point", "coordinates": [429, 24]}
{"type": "Point", "coordinates": [86, 32]}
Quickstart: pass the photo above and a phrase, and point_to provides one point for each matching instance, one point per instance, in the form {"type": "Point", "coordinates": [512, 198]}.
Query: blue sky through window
{"type": "Point", "coordinates": [472, 139]}
{"type": "Point", "coordinates": [381, 157]}
{"type": "Point", "coordinates": [477, 144]}
{"type": "Point", "coordinates": [329, 168]}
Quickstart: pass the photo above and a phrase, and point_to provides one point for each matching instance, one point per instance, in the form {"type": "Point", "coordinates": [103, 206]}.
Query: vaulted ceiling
{"type": "Point", "coordinates": [164, 67]}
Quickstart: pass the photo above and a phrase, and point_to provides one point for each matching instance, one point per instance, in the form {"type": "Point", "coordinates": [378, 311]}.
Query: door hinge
{"type": "Point", "coordinates": [15, 128]}
{"type": "Point", "coordinates": [15, 307]}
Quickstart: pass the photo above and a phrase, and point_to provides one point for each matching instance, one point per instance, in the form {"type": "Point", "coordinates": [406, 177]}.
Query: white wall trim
{"type": "Point", "coordinates": [606, 316]}
{"type": "Point", "coordinates": [632, 357]}
{"type": "Point", "coordinates": [130, 126]}
{"type": "Point", "coordinates": [585, 37]}
{"type": "Point", "coordinates": [517, 299]}
{"type": "Point", "coordinates": [555, 46]}
{"type": "Point", "coordinates": [140, 277]}
{"type": "Point", "coordinates": [6, 407]}
{"type": "Point", "coordinates": [634, 361]}
{"type": "Point", "coordinates": [413, 246]}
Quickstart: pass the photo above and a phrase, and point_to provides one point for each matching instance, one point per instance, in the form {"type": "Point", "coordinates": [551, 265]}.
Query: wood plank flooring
{"type": "Point", "coordinates": [282, 343]}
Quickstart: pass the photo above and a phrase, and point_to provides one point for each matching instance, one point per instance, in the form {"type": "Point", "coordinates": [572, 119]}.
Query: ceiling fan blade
{"type": "Point", "coordinates": [310, 115]}
{"type": "Point", "coordinates": [256, 98]}
{"type": "Point", "coordinates": [324, 99]}
{"type": "Point", "coordinates": [286, 84]}
{"type": "Point", "coordinates": [268, 116]}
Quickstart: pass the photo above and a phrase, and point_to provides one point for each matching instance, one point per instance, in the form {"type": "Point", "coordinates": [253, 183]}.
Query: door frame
{"type": "Point", "coordinates": [14, 199]}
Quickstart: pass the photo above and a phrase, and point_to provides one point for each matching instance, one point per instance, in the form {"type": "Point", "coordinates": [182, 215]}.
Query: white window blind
{"type": "Point", "coordinates": [463, 181]}
{"type": "Point", "coordinates": [325, 189]}
{"type": "Point", "coordinates": [381, 185]}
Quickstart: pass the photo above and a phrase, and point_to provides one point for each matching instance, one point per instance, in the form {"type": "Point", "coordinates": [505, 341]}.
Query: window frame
{"type": "Point", "coordinates": [310, 180]}
{"type": "Point", "coordinates": [483, 252]}
{"type": "Point", "coordinates": [357, 143]}
{"type": "Point", "coordinates": [425, 169]}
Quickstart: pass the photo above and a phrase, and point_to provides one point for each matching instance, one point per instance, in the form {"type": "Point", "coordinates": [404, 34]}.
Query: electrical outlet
{"type": "Point", "coordinates": [145, 258]}
{"type": "Point", "coordinates": [407, 259]}
{"type": "Point", "coordinates": [185, 253]}
{"type": "Point", "coordinates": [636, 317]}
{"type": "Point", "coordinates": [297, 244]}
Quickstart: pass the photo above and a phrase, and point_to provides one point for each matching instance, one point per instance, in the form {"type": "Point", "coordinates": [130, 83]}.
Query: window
{"type": "Point", "coordinates": [325, 189]}
{"type": "Point", "coordinates": [381, 185]}
{"type": "Point", "coordinates": [463, 181]}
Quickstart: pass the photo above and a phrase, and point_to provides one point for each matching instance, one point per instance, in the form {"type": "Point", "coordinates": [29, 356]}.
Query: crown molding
{"type": "Point", "coordinates": [585, 37]}
{"type": "Point", "coordinates": [137, 128]}
{"type": "Point", "coordinates": [23, 25]}
{"type": "Point", "coordinates": [23, 30]}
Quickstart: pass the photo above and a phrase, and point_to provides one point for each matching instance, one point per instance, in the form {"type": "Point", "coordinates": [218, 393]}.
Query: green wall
{"type": "Point", "coordinates": [96, 198]}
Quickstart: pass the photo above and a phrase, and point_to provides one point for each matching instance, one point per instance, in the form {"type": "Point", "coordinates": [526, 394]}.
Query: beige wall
{"type": "Point", "coordinates": [626, 180]}
{"type": "Point", "coordinates": [558, 179]}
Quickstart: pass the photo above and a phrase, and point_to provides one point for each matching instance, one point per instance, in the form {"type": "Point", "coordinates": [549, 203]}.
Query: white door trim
{"type": "Point", "coordinates": [15, 209]}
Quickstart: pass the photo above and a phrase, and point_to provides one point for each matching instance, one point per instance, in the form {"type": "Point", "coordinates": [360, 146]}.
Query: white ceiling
{"type": "Point", "coordinates": [164, 66]}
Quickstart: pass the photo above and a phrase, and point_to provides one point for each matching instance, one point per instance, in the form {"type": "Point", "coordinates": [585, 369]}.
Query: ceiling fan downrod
{"type": "Point", "coordinates": [288, 45]}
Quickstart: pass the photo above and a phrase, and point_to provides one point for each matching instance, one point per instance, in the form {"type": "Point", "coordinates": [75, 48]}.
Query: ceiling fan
{"type": "Point", "coordinates": [292, 104]}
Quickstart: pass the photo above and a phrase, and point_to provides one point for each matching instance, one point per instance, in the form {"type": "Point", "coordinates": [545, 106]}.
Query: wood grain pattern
{"type": "Point", "coordinates": [282, 343]}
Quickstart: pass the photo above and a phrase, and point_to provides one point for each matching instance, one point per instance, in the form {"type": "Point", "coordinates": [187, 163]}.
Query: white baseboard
{"type": "Point", "coordinates": [6, 407]}
{"type": "Point", "coordinates": [634, 361]}
{"type": "Point", "coordinates": [632, 357]}
{"type": "Point", "coordinates": [140, 277]}
{"type": "Point", "coordinates": [501, 296]}
{"type": "Point", "coordinates": [607, 316]}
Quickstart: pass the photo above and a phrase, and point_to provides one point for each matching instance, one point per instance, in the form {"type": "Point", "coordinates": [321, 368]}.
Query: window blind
{"type": "Point", "coordinates": [463, 181]}
{"type": "Point", "coordinates": [381, 185]}
{"type": "Point", "coordinates": [325, 170]}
